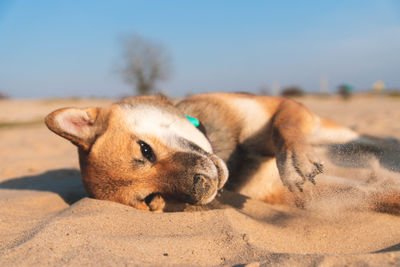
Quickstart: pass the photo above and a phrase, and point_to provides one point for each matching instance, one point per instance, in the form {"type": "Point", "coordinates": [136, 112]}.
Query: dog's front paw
{"type": "Point", "coordinates": [296, 166]}
{"type": "Point", "coordinates": [155, 202]}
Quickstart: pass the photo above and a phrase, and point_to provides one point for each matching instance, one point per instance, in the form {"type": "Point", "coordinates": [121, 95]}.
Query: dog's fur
{"type": "Point", "coordinates": [264, 142]}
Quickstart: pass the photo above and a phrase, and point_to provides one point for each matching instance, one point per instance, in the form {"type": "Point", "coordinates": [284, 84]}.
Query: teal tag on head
{"type": "Point", "coordinates": [194, 121]}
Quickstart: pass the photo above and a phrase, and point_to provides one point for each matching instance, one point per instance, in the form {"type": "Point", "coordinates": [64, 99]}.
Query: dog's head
{"type": "Point", "coordinates": [139, 148]}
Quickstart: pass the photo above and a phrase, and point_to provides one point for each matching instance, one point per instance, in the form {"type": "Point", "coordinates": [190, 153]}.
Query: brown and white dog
{"type": "Point", "coordinates": [143, 151]}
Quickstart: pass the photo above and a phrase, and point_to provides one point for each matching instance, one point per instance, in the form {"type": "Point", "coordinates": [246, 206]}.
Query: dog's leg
{"type": "Point", "coordinates": [292, 125]}
{"type": "Point", "coordinates": [329, 132]}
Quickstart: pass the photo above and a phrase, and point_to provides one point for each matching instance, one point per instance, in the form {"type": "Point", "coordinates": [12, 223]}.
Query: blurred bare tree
{"type": "Point", "coordinates": [144, 63]}
{"type": "Point", "coordinates": [3, 96]}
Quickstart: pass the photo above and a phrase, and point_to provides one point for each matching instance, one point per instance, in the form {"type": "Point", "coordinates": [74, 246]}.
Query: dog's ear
{"type": "Point", "coordinates": [78, 125]}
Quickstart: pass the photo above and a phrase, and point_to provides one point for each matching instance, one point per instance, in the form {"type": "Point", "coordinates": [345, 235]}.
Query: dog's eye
{"type": "Point", "coordinates": [147, 152]}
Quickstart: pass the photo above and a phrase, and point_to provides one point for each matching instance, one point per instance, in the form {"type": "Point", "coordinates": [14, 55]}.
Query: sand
{"type": "Point", "coordinates": [46, 217]}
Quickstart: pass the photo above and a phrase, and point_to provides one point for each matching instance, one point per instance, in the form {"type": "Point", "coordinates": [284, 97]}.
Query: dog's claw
{"type": "Point", "coordinates": [299, 187]}
{"type": "Point", "coordinates": [319, 166]}
{"type": "Point", "coordinates": [290, 188]}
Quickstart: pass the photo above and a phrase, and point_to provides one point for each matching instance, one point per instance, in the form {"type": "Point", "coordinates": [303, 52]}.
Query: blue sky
{"type": "Point", "coordinates": [72, 48]}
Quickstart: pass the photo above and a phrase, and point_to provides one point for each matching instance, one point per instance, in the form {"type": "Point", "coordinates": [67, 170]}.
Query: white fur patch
{"type": "Point", "coordinates": [254, 116]}
{"type": "Point", "coordinates": [145, 120]}
{"type": "Point", "coordinates": [325, 135]}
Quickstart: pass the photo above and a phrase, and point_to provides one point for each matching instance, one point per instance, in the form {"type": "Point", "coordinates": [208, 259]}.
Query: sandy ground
{"type": "Point", "coordinates": [46, 217]}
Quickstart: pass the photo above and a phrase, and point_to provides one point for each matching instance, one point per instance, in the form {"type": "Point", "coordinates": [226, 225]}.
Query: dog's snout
{"type": "Point", "coordinates": [201, 184]}
{"type": "Point", "coordinates": [203, 176]}
{"type": "Point", "coordinates": [202, 187]}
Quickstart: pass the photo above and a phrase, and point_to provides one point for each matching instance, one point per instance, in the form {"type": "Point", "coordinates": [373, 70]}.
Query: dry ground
{"type": "Point", "coordinates": [47, 219]}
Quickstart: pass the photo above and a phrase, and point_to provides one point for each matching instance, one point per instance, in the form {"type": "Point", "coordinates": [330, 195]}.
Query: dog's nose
{"type": "Point", "coordinates": [202, 187]}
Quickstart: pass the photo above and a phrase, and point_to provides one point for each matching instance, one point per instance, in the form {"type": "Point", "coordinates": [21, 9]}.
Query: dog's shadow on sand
{"type": "Point", "coordinates": [356, 154]}
{"type": "Point", "coordinates": [393, 248]}
{"type": "Point", "coordinates": [67, 183]}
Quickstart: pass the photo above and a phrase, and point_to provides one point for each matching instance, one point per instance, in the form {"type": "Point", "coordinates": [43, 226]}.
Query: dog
{"type": "Point", "coordinates": [147, 150]}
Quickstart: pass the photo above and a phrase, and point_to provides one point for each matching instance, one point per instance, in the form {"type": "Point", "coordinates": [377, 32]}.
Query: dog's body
{"type": "Point", "coordinates": [256, 134]}
{"type": "Point", "coordinates": [143, 150]}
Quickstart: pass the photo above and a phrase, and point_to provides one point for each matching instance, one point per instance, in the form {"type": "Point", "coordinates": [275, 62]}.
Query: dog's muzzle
{"type": "Point", "coordinates": [205, 187]}
{"type": "Point", "coordinates": [204, 179]}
